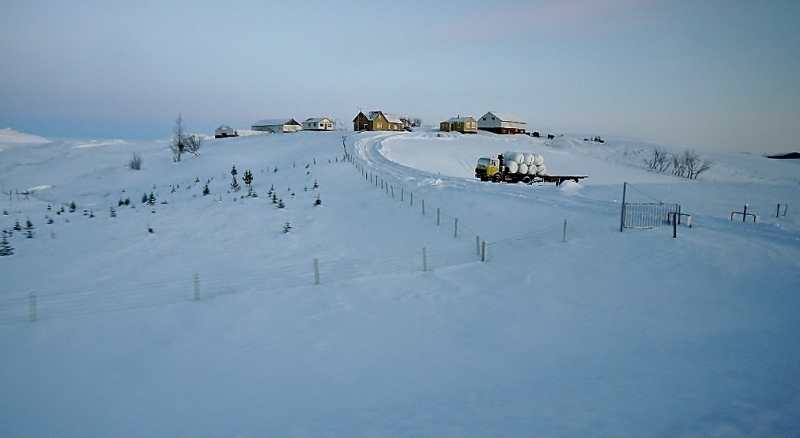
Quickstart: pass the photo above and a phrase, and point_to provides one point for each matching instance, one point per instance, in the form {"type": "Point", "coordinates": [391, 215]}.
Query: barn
{"type": "Point", "coordinates": [224, 131]}
{"type": "Point", "coordinates": [277, 126]}
{"type": "Point", "coordinates": [501, 123]}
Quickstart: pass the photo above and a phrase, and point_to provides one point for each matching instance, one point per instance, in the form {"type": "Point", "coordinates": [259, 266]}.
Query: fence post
{"type": "Point", "coordinates": [424, 259]}
{"type": "Point", "coordinates": [622, 214]}
{"type": "Point", "coordinates": [33, 316]}
{"type": "Point", "coordinates": [478, 244]}
{"type": "Point", "coordinates": [565, 231]}
{"type": "Point", "coordinates": [437, 215]}
{"type": "Point", "coordinates": [402, 190]}
{"type": "Point", "coordinates": [392, 192]}
{"type": "Point", "coordinates": [412, 199]}
{"type": "Point", "coordinates": [197, 287]}
{"type": "Point", "coordinates": [455, 229]}
{"type": "Point", "coordinates": [423, 207]}
{"type": "Point", "coordinates": [316, 272]}
{"type": "Point", "coordinates": [483, 252]}
{"type": "Point", "coordinates": [778, 213]}
{"type": "Point", "coordinates": [674, 226]}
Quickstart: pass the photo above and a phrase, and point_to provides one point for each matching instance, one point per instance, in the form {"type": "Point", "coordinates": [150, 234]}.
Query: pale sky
{"type": "Point", "coordinates": [713, 75]}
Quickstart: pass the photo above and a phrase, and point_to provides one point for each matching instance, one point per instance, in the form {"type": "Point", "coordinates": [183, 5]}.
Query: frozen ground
{"type": "Point", "coordinates": [212, 325]}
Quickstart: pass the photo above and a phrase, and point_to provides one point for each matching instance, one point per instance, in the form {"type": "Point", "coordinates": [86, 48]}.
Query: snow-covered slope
{"type": "Point", "coordinates": [199, 316]}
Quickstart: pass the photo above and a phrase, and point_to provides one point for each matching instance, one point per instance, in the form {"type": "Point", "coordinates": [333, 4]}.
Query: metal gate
{"type": "Point", "coordinates": [647, 215]}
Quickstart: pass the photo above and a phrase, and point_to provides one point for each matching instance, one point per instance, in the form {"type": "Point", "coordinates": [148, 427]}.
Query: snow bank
{"type": "Point", "coordinates": [9, 135]}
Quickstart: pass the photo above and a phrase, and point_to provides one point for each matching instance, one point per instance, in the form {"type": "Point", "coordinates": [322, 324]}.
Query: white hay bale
{"type": "Point", "coordinates": [523, 168]}
{"type": "Point", "coordinates": [538, 160]}
{"type": "Point", "coordinates": [532, 170]}
{"type": "Point", "coordinates": [529, 159]}
{"type": "Point", "coordinates": [514, 156]}
{"type": "Point", "coordinates": [541, 170]}
{"type": "Point", "coordinates": [512, 166]}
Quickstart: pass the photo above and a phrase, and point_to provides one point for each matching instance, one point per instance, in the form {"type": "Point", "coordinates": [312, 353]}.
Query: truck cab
{"type": "Point", "coordinates": [486, 168]}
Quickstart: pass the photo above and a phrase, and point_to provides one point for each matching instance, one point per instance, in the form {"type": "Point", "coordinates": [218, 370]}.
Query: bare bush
{"type": "Point", "coordinates": [136, 162]}
{"type": "Point", "coordinates": [658, 160]}
{"type": "Point", "coordinates": [688, 164]}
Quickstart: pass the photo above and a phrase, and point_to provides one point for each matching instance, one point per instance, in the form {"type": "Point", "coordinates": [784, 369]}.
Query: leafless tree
{"type": "Point", "coordinates": [183, 142]}
{"type": "Point", "coordinates": [678, 168]}
{"type": "Point", "coordinates": [658, 160]}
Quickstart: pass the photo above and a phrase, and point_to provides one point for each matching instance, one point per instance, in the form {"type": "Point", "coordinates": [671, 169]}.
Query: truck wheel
{"type": "Point", "coordinates": [527, 180]}
{"type": "Point", "coordinates": [497, 177]}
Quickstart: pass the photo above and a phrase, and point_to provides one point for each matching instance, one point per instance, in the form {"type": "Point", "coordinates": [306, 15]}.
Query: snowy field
{"type": "Point", "coordinates": [199, 315]}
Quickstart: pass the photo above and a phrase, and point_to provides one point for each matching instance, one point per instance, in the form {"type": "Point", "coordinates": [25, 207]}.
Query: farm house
{"type": "Point", "coordinates": [377, 121]}
{"type": "Point", "coordinates": [319, 124]}
{"type": "Point", "coordinates": [464, 125]}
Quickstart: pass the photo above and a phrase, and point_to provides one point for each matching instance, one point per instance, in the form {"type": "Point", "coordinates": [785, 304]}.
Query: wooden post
{"type": "Point", "coordinates": [455, 229]}
{"type": "Point", "coordinates": [437, 215]}
{"type": "Point", "coordinates": [412, 199]}
{"type": "Point", "coordinates": [778, 213]}
{"type": "Point", "coordinates": [197, 287]}
{"type": "Point", "coordinates": [424, 259]}
{"type": "Point", "coordinates": [34, 316]}
{"type": "Point", "coordinates": [744, 215]}
{"type": "Point", "coordinates": [674, 226]}
{"type": "Point", "coordinates": [478, 244]}
{"type": "Point", "coordinates": [392, 192]}
{"type": "Point", "coordinates": [316, 272]}
{"type": "Point", "coordinates": [402, 190]}
{"type": "Point", "coordinates": [622, 214]}
{"type": "Point", "coordinates": [483, 252]}
{"type": "Point", "coordinates": [423, 207]}
{"type": "Point", "coordinates": [564, 239]}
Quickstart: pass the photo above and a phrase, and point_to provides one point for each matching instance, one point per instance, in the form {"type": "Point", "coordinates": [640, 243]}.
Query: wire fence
{"type": "Point", "coordinates": [77, 300]}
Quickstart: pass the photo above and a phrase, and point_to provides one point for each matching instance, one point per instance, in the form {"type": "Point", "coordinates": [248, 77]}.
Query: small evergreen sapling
{"type": "Point", "coordinates": [5, 248]}
{"type": "Point", "coordinates": [72, 207]}
{"type": "Point", "coordinates": [287, 227]}
{"type": "Point", "coordinates": [205, 190]}
{"type": "Point", "coordinates": [235, 184]}
{"type": "Point", "coordinates": [29, 229]}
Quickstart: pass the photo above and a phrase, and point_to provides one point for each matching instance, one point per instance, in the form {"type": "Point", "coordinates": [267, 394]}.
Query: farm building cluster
{"type": "Point", "coordinates": [276, 126]}
{"type": "Point", "coordinates": [500, 123]}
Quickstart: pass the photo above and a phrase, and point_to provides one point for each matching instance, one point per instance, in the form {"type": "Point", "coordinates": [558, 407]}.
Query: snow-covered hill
{"type": "Point", "coordinates": [199, 315]}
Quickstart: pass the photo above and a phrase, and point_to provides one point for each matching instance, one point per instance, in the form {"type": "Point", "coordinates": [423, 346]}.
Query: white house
{"type": "Point", "coordinates": [225, 131]}
{"type": "Point", "coordinates": [501, 123]}
{"type": "Point", "coordinates": [277, 125]}
{"type": "Point", "coordinates": [323, 124]}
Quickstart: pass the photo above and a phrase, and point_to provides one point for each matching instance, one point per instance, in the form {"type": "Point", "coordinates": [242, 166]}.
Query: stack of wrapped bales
{"type": "Point", "coordinates": [531, 164]}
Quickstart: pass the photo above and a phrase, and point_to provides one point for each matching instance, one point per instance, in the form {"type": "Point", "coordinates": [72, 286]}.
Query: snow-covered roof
{"type": "Point", "coordinates": [391, 118]}
{"type": "Point", "coordinates": [505, 117]}
{"type": "Point", "coordinates": [275, 122]}
{"type": "Point", "coordinates": [317, 120]}
{"type": "Point", "coordinates": [224, 128]}
{"type": "Point", "coordinates": [458, 119]}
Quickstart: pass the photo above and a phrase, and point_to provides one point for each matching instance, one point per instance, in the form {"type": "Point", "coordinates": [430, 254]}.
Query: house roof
{"type": "Point", "coordinates": [275, 122]}
{"type": "Point", "coordinates": [224, 128]}
{"type": "Point", "coordinates": [459, 119]}
{"type": "Point", "coordinates": [318, 120]}
{"type": "Point", "coordinates": [391, 118]}
{"type": "Point", "coordinates": [505, 117]}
